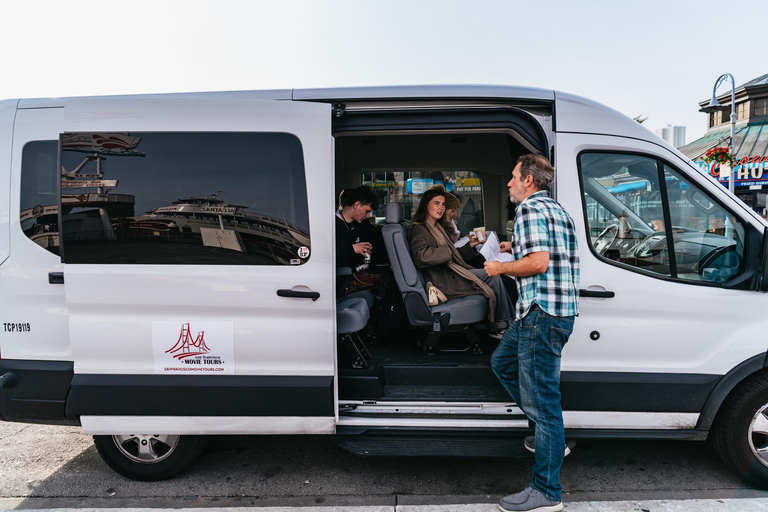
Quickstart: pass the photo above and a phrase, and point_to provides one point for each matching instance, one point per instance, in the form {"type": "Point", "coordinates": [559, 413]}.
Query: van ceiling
{"type": "Point", "coordinates": [512, 120]}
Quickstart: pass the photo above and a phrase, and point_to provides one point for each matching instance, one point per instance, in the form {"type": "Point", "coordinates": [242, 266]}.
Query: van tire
{"type": "Point", "coordinates": [167, 456]}
{"type": "Point", "coordinates": [735, 432]}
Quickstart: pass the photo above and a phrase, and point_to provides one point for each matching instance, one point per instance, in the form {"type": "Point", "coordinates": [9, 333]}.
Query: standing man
{"type": "Point", "coordinates": [527, 360]}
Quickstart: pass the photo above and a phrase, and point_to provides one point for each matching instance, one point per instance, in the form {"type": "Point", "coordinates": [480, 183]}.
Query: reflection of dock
{"type": "Point", "coordinates": [41, 223]}
{"type": "Point", "coordinates": [94, 224]}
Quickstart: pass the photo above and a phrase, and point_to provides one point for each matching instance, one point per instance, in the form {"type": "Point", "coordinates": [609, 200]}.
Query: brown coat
{"type": "Point", "coordinates": [432, 259]}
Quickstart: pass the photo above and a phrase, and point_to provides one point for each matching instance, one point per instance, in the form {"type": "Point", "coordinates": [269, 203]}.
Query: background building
{"type": "Point", "coordinates": [675, 135]}
{"type": "Point", "coordinates": [750, 144]}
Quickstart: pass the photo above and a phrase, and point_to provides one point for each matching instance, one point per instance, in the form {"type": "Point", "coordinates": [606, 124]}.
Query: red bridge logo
{"type": "Point", "coordinates": [186, 347]}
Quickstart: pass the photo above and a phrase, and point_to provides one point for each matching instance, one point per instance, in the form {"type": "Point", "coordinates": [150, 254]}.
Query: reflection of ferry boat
{"type": "Point", "coordinates": [224, 225]}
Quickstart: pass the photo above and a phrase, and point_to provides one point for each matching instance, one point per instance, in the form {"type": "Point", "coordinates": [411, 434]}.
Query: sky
{"type": "Point", "coordinates": [652, 58]}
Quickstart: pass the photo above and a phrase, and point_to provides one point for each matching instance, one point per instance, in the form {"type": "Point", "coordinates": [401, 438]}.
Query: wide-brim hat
{"type": "Point", "coordinates": [451, 202]}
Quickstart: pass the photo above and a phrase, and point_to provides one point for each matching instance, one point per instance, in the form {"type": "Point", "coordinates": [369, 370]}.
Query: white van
{"type": "Point", "coordinates": [168, 272]}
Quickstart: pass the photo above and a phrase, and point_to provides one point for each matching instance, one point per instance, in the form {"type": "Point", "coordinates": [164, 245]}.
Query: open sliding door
{"type": "Point", "coordinates": [198, 265]}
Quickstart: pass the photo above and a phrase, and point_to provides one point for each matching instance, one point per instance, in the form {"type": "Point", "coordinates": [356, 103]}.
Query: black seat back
{"type": "Point", "coordinates": [409, 280]}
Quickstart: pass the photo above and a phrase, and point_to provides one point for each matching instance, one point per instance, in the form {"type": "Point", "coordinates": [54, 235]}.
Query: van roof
{"type": "Point", "coordinates": [420, 92]}
{"type": "Point", "coordinates": [573, 113]}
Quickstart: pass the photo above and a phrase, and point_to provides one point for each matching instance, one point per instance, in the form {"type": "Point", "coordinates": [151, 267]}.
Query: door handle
{"type": "Point", "coordinates": [299, 294]}
{"type": "Point", "coordinates": [55, 277]}
{"type": "Point", "coordinates": [596, 293]}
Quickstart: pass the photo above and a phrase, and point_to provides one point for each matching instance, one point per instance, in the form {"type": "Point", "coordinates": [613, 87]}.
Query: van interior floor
{"type": "Point", "coordinates": [399, 371]}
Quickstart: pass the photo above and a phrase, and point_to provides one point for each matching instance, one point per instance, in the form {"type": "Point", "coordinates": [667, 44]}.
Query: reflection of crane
{"type": "Point", "coordinates": [97, 144]}
{"type": "Point", "coordinates": [186, 346]}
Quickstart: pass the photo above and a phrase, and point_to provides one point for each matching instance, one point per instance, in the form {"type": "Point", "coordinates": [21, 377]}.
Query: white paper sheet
{"type": "Point", "coordinates": [491, 250]}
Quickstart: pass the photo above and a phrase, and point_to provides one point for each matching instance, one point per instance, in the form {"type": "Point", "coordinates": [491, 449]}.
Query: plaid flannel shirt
{"type": "Point", "coordinates": [541, 224]}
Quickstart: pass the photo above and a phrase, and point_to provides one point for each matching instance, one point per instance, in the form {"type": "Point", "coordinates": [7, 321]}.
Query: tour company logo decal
{"type": "Point", "coordinates": [186, 347]}
{"type": "Point", "coordinates": [193, 347]}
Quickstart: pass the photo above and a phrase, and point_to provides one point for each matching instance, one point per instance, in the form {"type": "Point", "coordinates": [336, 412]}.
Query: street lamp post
{"type": "Point", "coordinates": [715, 106]}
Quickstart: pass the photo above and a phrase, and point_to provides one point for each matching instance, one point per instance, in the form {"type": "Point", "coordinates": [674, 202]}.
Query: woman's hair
{"type": "Point", "coordinates": [420, 216]}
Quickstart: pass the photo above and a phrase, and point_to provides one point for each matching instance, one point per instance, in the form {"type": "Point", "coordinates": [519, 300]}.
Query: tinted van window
{"type": "Point", "coordinates": [408, 187]}
{"type": "Point", "coordinates": [184, 198]}
{"type": "Point", "coordinates": [39, 213]}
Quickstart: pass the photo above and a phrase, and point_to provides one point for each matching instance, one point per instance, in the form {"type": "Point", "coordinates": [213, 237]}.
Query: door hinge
{"type": "Point", "coordinates": [338, 109]}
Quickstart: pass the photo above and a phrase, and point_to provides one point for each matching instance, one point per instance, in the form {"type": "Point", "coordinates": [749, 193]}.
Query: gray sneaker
{"type": "Point", "coordinates": [529, 500]}
{"type": "Point", "coordinates": [530, 445]}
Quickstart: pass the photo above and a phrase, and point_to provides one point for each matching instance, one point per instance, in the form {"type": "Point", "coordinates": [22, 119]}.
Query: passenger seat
{"type": "Point", "coordinates": [454, 316]}
{"type": "Point", "coordinates": [351, 317]}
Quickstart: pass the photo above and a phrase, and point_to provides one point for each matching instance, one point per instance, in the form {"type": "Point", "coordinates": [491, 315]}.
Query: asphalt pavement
{"type": "Point", "coordinates": [45, 467]}
{"type": "Point", "coordinates": [735, 505]}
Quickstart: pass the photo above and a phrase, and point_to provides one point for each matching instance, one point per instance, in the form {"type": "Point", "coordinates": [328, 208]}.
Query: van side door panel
{"type": "Point", "coordinates": [195, 215]}
{"type": "Point", "coordinates": [663, 341]}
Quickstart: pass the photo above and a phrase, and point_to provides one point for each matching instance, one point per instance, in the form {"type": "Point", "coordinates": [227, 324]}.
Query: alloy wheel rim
{"type": "Point", "coordinates": [146, 448]}
{"type": "Point", "coordinates": [758, 435]}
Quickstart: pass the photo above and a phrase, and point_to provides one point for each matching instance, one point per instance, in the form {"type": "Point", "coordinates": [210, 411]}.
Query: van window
{"type": "Point", "coordinates": [39, 213]}
{"type": "Point", "coordinates": [629, 202]}
{"type": "Point", "coordinates": [184, 198]}
{"type": "Point", "coordinates": [407, 188]}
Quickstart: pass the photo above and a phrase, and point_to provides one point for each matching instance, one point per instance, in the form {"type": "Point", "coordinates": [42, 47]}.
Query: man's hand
{"type": "Point", "coordinates": [493, 268]}
{"type": "Point", "coordinates": [505, 246]}
{"type": "Point", "coordinates": [362, 248]}
{"type": "Point", "coordinates": [529, 265]}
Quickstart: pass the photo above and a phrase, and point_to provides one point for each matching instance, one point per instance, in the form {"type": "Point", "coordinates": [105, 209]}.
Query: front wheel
{"type": "Point", "coordinates": [740, 434]}
{"type": "Point", "coordinates": [149, 457]}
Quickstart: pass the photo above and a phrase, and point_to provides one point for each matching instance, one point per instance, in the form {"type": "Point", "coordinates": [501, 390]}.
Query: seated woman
{"type": "Point", "coordinates": [468, 251]}
{"type": "Point", "coordinates": [442, 265]}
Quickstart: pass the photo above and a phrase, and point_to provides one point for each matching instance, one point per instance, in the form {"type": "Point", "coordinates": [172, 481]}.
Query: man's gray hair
{"type": "Point", "coordinates": [538, 168]}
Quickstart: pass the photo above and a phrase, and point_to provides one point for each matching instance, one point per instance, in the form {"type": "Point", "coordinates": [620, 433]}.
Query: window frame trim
{"type": "Point", "coordinates": [761, 103]}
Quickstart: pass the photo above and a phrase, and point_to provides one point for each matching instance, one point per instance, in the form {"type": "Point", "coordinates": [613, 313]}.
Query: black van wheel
{"type": "Point", "coordinates": [149, 457]}
{"type": "Point", "coordinates": [740, 434]}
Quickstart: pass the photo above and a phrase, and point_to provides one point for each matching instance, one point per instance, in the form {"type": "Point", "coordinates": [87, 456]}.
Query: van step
{"type": "Point", "coordinates": [440, 375]}
{"type": "Point", "coordinates": [447, 393]}
{"type": "Point", "coordinates": [441, 446]}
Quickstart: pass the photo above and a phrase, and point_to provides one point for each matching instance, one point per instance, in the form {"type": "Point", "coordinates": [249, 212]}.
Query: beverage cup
{"type": "Point", "coordinates": [480, 234]}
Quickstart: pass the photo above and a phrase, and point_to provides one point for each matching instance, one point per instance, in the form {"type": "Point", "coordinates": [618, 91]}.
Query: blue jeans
{"type": "Point", "coordinates": [527, 362]}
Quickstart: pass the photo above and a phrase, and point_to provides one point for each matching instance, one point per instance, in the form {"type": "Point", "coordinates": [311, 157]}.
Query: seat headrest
{"type": "Point", "coordinates": [395, 213]}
